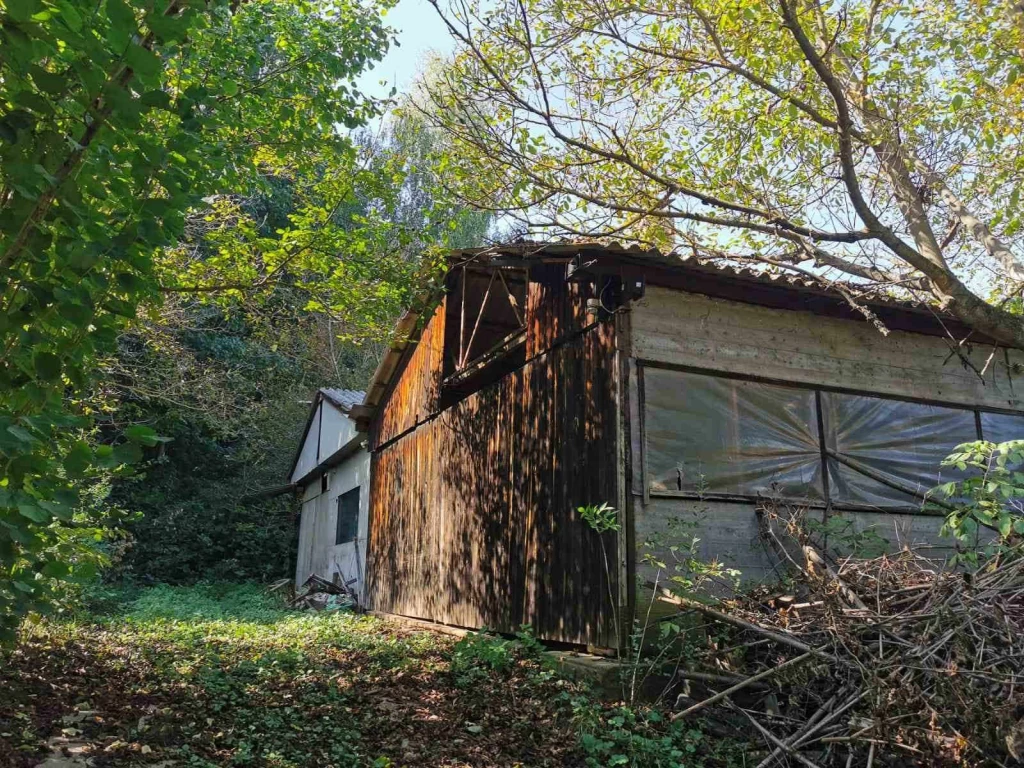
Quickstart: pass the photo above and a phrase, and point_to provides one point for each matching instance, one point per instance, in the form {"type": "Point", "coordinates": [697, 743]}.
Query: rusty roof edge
{"type": "Point", "coordinates": [689, 263]}
{"type": "Point", "coordinates": [402, 337]}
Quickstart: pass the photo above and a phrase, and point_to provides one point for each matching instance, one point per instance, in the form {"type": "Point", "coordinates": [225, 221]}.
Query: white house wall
{"type": "Point", "coordinates": [330, 430]}
{"type": "Point", "coordinates": [309, 455]}
{"type": "Point", "coordinates": [676, 328]}
{"type": "Point", "coordinates": [317, 551]}
{"type": "Point", "coordinates": [336, 430]}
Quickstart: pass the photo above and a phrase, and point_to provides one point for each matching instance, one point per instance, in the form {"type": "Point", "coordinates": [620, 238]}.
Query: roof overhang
{"type": "Point", "coordinates": [684, 273]}
{"type": "Point", "coordinates": [349, 449]}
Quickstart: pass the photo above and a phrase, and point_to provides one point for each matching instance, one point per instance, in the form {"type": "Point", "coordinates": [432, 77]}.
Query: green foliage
{"type": "Point", "coordinates": [116, 121]}
{"type": "Point", "coordinates": [835, 141]}
{"type": "Point", "coordinates": [216, 601]}
{"type": "Point", "coordinates": [633, 737]}
{"type": "Point", "coordinates": [990, 496]}
{"type": "Point", "coordinates": [842, 536]}
{"type": "Point", "coordinates": [227, 378]}
{"type": "Point", "coordinates": [232, 396]}
{"type": "Point", "coordinates": [601, 518]}
{"type": "Point", "coordinates": [220, 674]}
{"type": "Point", "coordinates": [673, 554]}
{"type": "Point", "coordinates": [479, 655]}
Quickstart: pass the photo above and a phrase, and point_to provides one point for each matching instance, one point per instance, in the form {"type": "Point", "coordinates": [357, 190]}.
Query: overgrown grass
{"type": "Point", "coordinates": [223, 675]}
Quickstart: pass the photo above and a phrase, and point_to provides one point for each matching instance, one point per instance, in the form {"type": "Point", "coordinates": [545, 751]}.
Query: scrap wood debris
{"type": "Point", "coordinates": [893, 660]}
{"type": "Point", "coordinates": [319, 594]}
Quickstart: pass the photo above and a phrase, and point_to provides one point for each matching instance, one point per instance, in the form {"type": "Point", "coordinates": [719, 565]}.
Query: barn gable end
{"type": "Point", "coordinates": [475, 491]}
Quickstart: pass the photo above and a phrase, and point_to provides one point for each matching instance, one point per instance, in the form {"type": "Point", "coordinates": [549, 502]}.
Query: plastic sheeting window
{"type": "Point", "coordinates": [1002, 427]}
{"type": "Point", "coordinates": [887, 453]}
{"type": "Point", "coordinates": [716, 435]}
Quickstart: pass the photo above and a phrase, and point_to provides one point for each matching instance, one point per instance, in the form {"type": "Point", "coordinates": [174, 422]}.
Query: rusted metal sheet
{"type": "Point", "coordinates": [474, 518]}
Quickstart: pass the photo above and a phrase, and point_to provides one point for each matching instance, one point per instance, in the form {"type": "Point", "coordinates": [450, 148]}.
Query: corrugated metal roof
{"type": "Point", "coordinates": [794, 285]}
{"type": "Point", "coordinates": [343, 398]}
{"type": "Point", "coordinates": [680, 262]}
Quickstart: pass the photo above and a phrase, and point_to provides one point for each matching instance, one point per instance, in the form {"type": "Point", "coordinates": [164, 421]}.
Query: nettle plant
{"type": "Point", "coordinates": [989, 496]}
{"type": "Point", "coordinates": [674, 555]}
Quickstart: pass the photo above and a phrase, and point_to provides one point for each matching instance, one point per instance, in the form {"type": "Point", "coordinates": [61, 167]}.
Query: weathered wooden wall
{"type": "Point", "coordinates": [417, 391]}
{"type": "Point", "coordinates": [717, 335]}
{"type": "Point", "coordinates": [681, 328]}
{"type": "Point", "coordinates": [555, 309]}
{"type": "Point", "coordinates": [473, 517]}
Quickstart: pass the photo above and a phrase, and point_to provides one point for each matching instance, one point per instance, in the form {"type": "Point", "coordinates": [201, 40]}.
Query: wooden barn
{"type": "Point", "coordinates": [552, 376]}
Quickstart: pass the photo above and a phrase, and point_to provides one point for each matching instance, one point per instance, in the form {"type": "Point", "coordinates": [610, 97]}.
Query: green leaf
{"type": "Point", "coordinates": [167, 28]}
{"type": "Point", "coordinates": [70, 16]}
{"type": "Point", "coordinates": [144, 62]}
{"type": "Point", "coordinates": [55, 569]}
{"type": "Point", "coordinates": [126, 453]}
{"type": "Point", "coordinates": [78, 459]}
{"type": "Point", "coordinates": [230, 87]}
{"type": "Point", "coordinates": [159, 99]}
{"type": "Point", "coordinates": [48, 81]}
{"type": "Point", "coordinates": [57, 509]}
{"type": "Point", "coordinates": [139, 433]}
{"type": "Point", "coordinates": [122, 19]}
{"type": "Point", "coordinates": [22, 10]}
{"type": "Point", "coordinates": [47, 366]}
{"type": "Point", "coordinates": [22, 434]}
{"type": "Point", "coordinates": [33, 512]}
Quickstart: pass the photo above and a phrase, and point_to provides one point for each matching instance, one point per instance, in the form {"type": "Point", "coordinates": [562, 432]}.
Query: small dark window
{"type": "Point", "coordinates": [323, 483]}
{"type": "Point", "coordinates": [348, 516]}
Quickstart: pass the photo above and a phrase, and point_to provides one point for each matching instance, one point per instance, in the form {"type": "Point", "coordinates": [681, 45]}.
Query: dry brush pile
{"type": "Point", "coordinates": [893, 660]}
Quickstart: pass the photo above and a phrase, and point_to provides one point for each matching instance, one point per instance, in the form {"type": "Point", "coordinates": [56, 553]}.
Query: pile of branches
{"type": "Point", "coordinates": [892, 660]}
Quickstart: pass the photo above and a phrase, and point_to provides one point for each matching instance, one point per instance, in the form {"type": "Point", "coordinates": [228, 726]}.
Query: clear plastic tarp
{"type": "Point", "coordinates": [1002, 427]}
{"type": "Point", "coordinates": [717, 435]}
{"type": "Point", "coordinates": [712, 434]}
{"type": "Point", "coordinates": [878, 446]}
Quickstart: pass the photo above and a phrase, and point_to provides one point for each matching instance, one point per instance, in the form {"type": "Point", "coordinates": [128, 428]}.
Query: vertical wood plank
{"type": "Point", "coordinates": [473, 511]}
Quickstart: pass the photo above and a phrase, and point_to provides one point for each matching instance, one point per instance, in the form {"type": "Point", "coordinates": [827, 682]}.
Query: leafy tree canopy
{"type": "Point", "coordinates": [874, 141]}
{"type": "Point", "coordinates": [118, 122]}
{"type": "Point", "coordinates": [228, 374]}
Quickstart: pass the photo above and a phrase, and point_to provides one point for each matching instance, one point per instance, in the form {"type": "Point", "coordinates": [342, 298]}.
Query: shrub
{"type": "Point", "coordinates": [990, 495]}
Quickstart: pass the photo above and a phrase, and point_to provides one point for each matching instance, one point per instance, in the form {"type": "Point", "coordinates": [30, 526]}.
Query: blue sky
{"type": "Point", "coordinates": [420, 31]}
